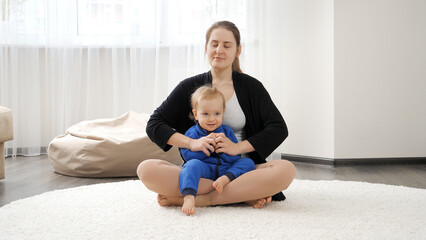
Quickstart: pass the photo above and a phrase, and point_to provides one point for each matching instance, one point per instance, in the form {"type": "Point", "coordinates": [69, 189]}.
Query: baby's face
{"type": "Point", "coordinates": [209, 113]}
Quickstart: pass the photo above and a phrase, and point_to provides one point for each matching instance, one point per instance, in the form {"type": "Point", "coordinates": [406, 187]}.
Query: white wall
{"type": "Point", "coordinates": [380, 78]}
{"type": "Point", "coordinates": [297, 50]}
{"type": "Point", "coordinates": [349, 76]}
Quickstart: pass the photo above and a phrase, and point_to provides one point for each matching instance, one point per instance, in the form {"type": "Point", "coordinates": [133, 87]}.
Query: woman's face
{"type": "Point", "coordinates": [222, 49]}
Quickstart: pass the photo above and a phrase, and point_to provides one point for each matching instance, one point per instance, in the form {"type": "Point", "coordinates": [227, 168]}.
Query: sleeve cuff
{"type": "Point", "coordinates": [189, 191]}
{"type": "Point", "coordinates": [230, 176]}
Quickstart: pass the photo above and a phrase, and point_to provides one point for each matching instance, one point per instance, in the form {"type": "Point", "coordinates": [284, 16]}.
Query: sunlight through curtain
{"type": "Point", "coordinates": [66, 61]}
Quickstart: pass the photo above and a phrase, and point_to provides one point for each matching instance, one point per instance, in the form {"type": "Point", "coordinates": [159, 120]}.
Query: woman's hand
{"type": "Point", "coordinates": [205, 144]}
{"type": "Point", "coordinates": [225, 145]}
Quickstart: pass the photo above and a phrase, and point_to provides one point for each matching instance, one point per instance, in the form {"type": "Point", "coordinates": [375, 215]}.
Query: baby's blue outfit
{"type": "Point", "coordinates": [199, 165]}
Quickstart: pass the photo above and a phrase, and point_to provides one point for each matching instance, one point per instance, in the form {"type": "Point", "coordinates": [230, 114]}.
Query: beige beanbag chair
{"type": "Point", "coordinates": [107, 148]}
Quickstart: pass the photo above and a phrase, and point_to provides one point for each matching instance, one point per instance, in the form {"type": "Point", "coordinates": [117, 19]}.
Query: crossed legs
{"type": "Point", "coordinates": [254, 187]}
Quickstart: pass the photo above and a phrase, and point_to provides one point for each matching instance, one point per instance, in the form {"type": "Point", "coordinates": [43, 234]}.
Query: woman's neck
{"type": "Point", "coordinates": [222, 80]}
{"type": "Point", "coordinates": [221, 76]}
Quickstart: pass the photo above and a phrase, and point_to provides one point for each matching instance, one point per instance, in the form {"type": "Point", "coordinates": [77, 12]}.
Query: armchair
{"type": "Point", "coordinates": [6, 134]}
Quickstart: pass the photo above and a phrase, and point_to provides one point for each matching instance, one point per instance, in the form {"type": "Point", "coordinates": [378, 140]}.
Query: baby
{"type": "Point", "coordinates": [208, 107]}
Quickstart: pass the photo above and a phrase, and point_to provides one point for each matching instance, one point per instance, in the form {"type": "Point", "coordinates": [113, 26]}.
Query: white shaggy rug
{"type": "Point", "coordinates": [313, 210]}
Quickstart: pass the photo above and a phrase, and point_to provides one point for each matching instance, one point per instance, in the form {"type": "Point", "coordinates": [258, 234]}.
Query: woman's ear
{"type": "Point", "coordinates": [238, 51]}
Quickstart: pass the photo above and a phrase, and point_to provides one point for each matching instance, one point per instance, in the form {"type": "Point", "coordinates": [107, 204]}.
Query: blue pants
{"type": "Point", "coordinates": [195, 169]}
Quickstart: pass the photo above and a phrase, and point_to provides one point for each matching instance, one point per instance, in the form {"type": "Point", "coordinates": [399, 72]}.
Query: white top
{"type": "Point", "coordinates": [234, 117]}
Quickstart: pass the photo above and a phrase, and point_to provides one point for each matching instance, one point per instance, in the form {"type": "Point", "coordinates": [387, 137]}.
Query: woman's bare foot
{"type": "Point", "coordinates": [164, 200]}
{"type": "Point", "coordinates": [259, 203]}
{"type": "Point", "coordinates": [200, 200]}
{"type": "Point", "coordinates": [220, 183]}
{"type": "Point", "coordinates": [188, 206]}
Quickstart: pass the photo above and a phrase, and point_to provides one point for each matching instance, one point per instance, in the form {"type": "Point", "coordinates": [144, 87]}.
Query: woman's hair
{"type": "Point", "coordinates": [206, 92]}
{"type": "Point", "coordinates": [230, 27]}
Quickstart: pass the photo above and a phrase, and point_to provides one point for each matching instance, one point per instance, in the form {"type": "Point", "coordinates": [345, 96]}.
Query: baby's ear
{"type": "Point", "coordinates": [194, 114]}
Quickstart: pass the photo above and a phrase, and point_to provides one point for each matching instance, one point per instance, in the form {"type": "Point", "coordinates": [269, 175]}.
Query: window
{"type": "Point", "coordinates": [29, 16]}
{"type": "Point", "coordinates": [115, 17]}
{"type": "Point", "coordinates": [109, 22]}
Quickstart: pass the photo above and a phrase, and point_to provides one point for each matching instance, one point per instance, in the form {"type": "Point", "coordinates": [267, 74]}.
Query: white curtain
{"type": "Point", "coordinates": [65, 61]}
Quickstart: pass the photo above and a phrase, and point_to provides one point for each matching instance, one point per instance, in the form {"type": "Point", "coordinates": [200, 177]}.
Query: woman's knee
{"type": "Point", "coordinates": [146, 169]}
{"type": "Point", "coordinates": [286, 172]}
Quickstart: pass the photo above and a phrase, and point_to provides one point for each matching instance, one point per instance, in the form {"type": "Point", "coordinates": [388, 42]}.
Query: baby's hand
{"type": "Point", "coordinates": [204, 144]}
{"type": "Point", "coordinates": [213, 135]}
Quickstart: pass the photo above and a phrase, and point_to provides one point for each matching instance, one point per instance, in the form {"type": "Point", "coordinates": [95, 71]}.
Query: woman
{"type": "Point", "coordinates": [250, 112]}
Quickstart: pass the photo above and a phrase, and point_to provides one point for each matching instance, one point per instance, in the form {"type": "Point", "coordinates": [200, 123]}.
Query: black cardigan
{"type": "Point", "coordinates": [265, 128]}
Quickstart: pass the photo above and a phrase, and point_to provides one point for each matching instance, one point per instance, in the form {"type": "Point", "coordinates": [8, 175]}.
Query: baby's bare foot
{"type": "Point", "coordinates": [188, 205]}
{"type": "Point", "coordinates": [164, 200]}
{"type": "Point", "coordinates": [220, 183]}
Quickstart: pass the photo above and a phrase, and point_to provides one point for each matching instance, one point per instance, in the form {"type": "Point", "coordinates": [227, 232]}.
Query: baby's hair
{"type": "Point", "coordinates": [206, 92]}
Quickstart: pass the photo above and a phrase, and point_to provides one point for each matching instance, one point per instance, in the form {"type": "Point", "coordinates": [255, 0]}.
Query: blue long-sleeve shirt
{"type": "Point", "coordinates": [196, 132]}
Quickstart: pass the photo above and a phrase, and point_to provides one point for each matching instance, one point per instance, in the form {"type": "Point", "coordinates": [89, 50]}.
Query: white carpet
{"type": "Point", "coordinates": [313, 210]}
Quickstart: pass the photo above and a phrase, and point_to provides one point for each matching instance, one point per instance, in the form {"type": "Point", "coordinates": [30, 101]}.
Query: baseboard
{"type": "Point", "coordinates": [25, 151]}
{"type": "Point", "coordinates": [354, 161]}
{"type": "Point", "coordinates": [297, 158]}
{"type": "Point", "coordinates": [308, 159]}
